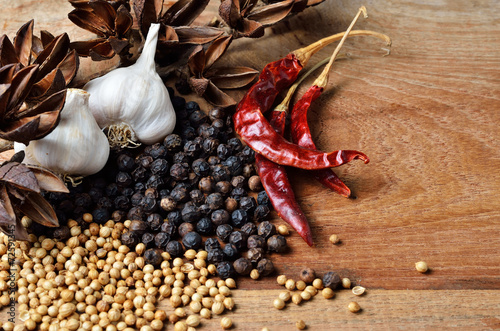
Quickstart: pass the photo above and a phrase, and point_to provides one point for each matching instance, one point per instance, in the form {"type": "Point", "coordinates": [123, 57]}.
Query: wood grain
{"type": "Point", "coordinates": [427, 116]}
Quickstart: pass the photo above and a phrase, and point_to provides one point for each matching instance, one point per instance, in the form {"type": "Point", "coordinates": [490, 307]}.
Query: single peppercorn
{"type": "Point", "coordinates": [307, 275]}
{"type": "Point", "coordinates": [219, 217]}
{"type": "Point", "coordinates": [249, 228]}
{"type": "Point", "coordinates": [223, 232]}
{"type": "Point", "coordinates": [261, 213]}
{"type": "Point", "coordinates": [230, 252]}
{"type": "Point", "coordinates": [225, 269]}
{"type": "Point", "coordinates": [190, 213]}
{"type": "Point", "coordinates": [148, 239]}
{"type": "Point", "coordinates": [204, 226]}
{"type": "Point", "coordinates": [266, 229]}
{"type": "Point", "coordinates": [215, 201]}
{"type": "Point", "coordinates": [243, 266]}
{"type": "Point", "coordinates": [173, 143]}
{"type": "Point", "coordinates": [332, 280]}
{"type": "Point", "coordinates": [231, 204]}
{"type": "Point", "coordinates": [223, 187]}
{"type": "Point", "coordinates": [153, 256]}
{"type": "Point", "coordinates": [212, 243]}
{"type": "Point", "coordinates": [265, 267]}
{"type": "Point", "coordinates": [179, 171]}
{"type": "Point", "coordinates": [215, 255]}
{"type": "Point", "coordinates": [185, 228]}
{"type": "Point", "coordinates": [239, 239]}
{"type": "Point", "coordinates": [174, 248]}
{"type": "Point", "coordinates": [192, 240]}
{"type": "Point", "coordinates": [200, 167]}
{"type": "Point", "coordinates": [276, 243]}
{"type": "Point", "coordinates": [255, 254]}
{"type": "Point", "coordinates": [206, 184]}
{"type": "Point", "coordinates": [161, 240]}
{"type": "Point", "coordinates": [160, 167]}
{"type": "Point", "coordinates": [239, 217]}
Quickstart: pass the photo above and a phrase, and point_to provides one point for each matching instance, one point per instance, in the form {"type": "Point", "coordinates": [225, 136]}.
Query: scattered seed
{"type": "Point", "coordinates": [328, 293]}
{"type": "Point", "coordinates": [334, 239]}
{"type": "Point", "coordinates": [358, 290]}
{"type": "Point", "coordinates": [226, 323]}
{"type": "Point", "coordinates": [300, 324]}
{"type": "Point", "coordinates": [421, 267]}
{"type": "Point", "coordinates": [353, 307]}
{"type": "Point", "coordinates": [346, 283]}
{"type": "Point", "coordinates": [279, 303]}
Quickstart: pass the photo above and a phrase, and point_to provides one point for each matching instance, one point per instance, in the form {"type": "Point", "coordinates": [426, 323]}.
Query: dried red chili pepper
{"type": "Point", "coordinates": [275, 181]}
{"type": "Point", "coordinates": [301, 133]}
{"type": "Point", "coordinates": [254, 130]}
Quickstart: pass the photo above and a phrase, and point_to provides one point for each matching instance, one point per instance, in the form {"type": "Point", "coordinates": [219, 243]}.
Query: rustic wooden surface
{"type": "Point", "coordinates": [427, 115]}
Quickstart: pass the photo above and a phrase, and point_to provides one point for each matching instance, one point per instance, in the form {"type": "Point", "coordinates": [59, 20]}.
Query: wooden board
{"type": "Point", "coordinates": [427, 116]}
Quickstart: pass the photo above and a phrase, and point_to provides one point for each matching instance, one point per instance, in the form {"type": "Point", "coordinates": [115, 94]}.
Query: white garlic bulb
{"type": "Point", "coordinates": [77, 146]}
{"type": "Point", "coordinates": [132, 102]}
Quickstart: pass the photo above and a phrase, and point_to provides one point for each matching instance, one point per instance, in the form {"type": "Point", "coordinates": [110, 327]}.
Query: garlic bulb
{"type": "Point", "coordinates": [132, 102]}
{"type": "Point", "coordinates": [77, 146]}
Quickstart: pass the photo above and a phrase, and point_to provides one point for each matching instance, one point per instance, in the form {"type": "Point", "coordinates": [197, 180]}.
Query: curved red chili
{"type": "Point", "coordinates": [275, 181]}
{"type": "Point", "coordinates": [301, 135]}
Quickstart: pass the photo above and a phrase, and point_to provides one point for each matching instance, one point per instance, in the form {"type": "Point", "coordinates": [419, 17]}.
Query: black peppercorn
{"type": "Point", "coordinates": [214, 201]}
{"type": "Point", "coordinates": [149, 205]}
{"type": "Point", "coordinates": [220, 216]}
{"type": "Point", "coordinates": [204, 226]}
{"type": "Point", "coordinates": [263, 199]}
{"type": "Point", "coordinates": [118, 215]}
{"type": "Point", "coordinates": [197, 197]}
{"type": "Point", "coordinates": [159, 167]}
{"type": "Point", "coordinates": [125, 162]}
{"type": "Point", "coordinates": [155, 221]}
{"type": "Point", "coordinates": [188, 133]}
{"type": "Point", "coordinates": [220, 173]}
{"type": "Point", "coordinates": [144, 161]}
{"type": "Point", "coordinates": [161, 239]}
{"type": "Point", "coordinates": [179, 171]}
{"type": "Point", "coordinates": [332, 280]}
{"type": "Point", "coordinates": [255, 254]}
{"type": "Point", "coordinates": [111, 190]}
{"type": "Point", "coordinates": [123, 179]}
{"type": "Point", "coordinates": [215, 255]}
{"type": "Point", "coordinates": [169, 228]}
{"type": "Point", "coordinates": [192, 240]}
{"type": "Point", "coordinates": [192, 106]}
{"type": "Point", "coordinates": [130, 239]}
{"type": "Point", "coordinates": [254, 183]}
{"type": "Point", "coordinates": [192, 149]}
{"type": "Point", "coordinates": [265, 267]}
{"type": "Point", "coordinates": [178, 102]}
{"type": "Point", "coordinates": [153, 256]}
{"type": "Point", "coordinates": [208, 131]}
{"type": "Point", "coordinates": [197, 118]}
{"type": "Point", "coordinates": [256, 241]}
{"type": "Point", "coordinates": [213, 160]}
{"type": "Point", "coordinates": [180, 194]}
{"type": "Point", "coordinates": [135, 213]}
{"type": "Point", "coordinates": [248, 204]}
{"type": "Point", "coordinates": [173, 143]}
{"type": "Point", "coordinates": [230, 252]}
{"type": "Point", "coordinates": [261, 213]}
{"type": "Point", "coordinates": [223, 187]}
{"type": "Point", "coordinates": [148, 239]}
{"type": "Point", "coordinates": [139, 173]}
{"type": "Point", "coordinates": [156, 182]}
{"type": "Point", "coordinates": [156, 151]}
{"type": "Point", "coordinates": [200, 167]}
{"type": "Point", "coordinates": [238, 192]}
{"type": "Point", "coordinates": [174, 217]}
{"type": "Point", "coordinates": [223, 151]}
{"type": "Point", "coordinates": [234, 165]}
{"type": "Point", "coordinates": [249, 228]}
{"type": "Point", "coordinates": [238, 181]}
{"type": "Point", "coordinates": [139, 187]}
{"type": "Point", "coordinates": [100, 215]}
{"type": "Point", "coordinates": [276, 243]}
{"type": "Point", "coordinates": [174, 248]}
{"type": "Point", "coordinates": [206, 184]}
{"type": "Point", "coordinates": [266, 229]}
{"type": "Point", "coordinates": [62, 233]}
{"type": "Point", "coordinates": [105, 203]}
{"type": "Point", "coordinates": [247, 154]}
{"type": "Point", "coordinates": [121, 202]}
{"type": "Point", "coordinates": [223, 232]}
{"type": "Point", "coordinates": [210, 145]}
{"type": "Point", "coordinates": [239, 217]}
{"type": "Point", "coordinates": [185, 228]}
{"type": "Point", "coordinates": [204, 210]}
{"type": "Point", "coordinates": [95, 194]}
{"type": "Point", "coordinates": [181, 157]}
{"type": "Point", "coordinates": [83, 200]}
{"type": "Point", "coordinates": [238, 239]}
{"type": "Point", "coordinates": [242, 266]}
{"type": "Point", "coordinates": [235, 144]}
{"type": "Point", "coordinates": [225, 270]}
{"type": "Point", "coordinates": [190, 213]}
{"type": "Point", "coordinates": [211, 243]}
{"type": "Point", "coordinates": [138, 226]}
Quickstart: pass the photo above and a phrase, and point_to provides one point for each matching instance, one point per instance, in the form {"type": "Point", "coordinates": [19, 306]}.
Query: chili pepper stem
{"type": "Point", "coordinates": [305, 53]}
{"type": "Point", "coordinates": [322, 79]}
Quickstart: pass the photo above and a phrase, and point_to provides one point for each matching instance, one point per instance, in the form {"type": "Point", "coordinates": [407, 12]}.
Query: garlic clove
{"type": "Point", "coordinates": [133, 102]}
{"type": "Point", "coordinates": [77, 146]}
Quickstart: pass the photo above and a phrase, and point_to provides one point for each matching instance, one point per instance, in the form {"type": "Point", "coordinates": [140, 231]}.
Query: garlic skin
{"type": "Point", "coordinates": [77, 146]}
{"type": "Point", "coordinates": [132, 102]}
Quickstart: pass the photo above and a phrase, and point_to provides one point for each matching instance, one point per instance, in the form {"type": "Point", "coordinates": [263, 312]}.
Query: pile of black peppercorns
{"type": "Point", "coordinates": [189, 192]}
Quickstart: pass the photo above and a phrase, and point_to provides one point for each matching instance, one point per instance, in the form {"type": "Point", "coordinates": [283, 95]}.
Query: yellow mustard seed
{"type": "Point", "coordinates": [296, 298]}
{"type": "Point", "coordinates": [290, 284]}
{"type": "Point", "coordinates": [421, 266]}
{"type": "Point", "coordinates": [346, 282]}
{"type": "Point", "coordinates": [226, 323]}
{"type": "Point", "coordinates": [285, 296]}
{"type": "Point", "coordinates": [318, 283]}
{"type": "Point", "coordinates": [358, 290]}
{"type": "Point", "coordinates": [281, 279]}
{"type": "Point", "coordinates": [305, 295]}
{"type": "Point", "coordinates": [193, 320]}
{"type": "Point", "coordinates": [254, 274]}
{"type": "Point", "coordinates": [353, 307]}
{"type": "Point", "coordinates": [327, 293]}
{"type": "Point", "coordinates": [300, 285]}
{"type": "Point", "coordinates": [334, 239]}
{"type": "Point", "coordinates": [279, 303]}
{"type": "Point", "coordinates": [300, 324]}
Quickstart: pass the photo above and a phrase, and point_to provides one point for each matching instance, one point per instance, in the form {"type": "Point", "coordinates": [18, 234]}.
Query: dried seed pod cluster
{"type": "Point", "coordinates": [100, 282]}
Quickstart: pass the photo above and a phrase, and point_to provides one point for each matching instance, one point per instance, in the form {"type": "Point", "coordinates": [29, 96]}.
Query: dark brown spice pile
{"type": "Point", "coordinates": [189, 192]}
